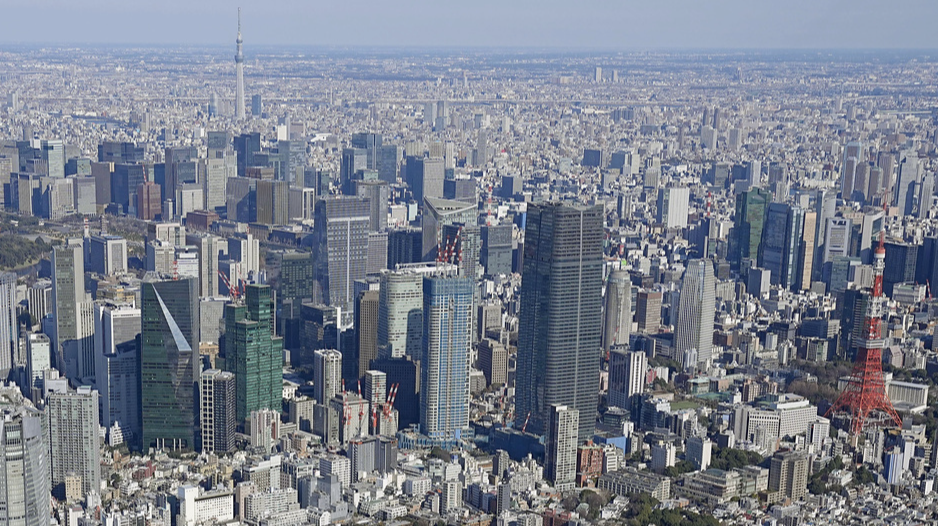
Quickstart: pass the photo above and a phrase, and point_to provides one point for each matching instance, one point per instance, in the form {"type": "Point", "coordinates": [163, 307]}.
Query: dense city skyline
{"type": "Point", "coordinates": [395, 279]}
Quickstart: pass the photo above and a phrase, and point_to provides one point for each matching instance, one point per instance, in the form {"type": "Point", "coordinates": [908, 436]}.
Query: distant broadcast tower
{"type": "Point", "coordinates": [865, 393]}
{"type": "Point", "coordinates": [239, 67]}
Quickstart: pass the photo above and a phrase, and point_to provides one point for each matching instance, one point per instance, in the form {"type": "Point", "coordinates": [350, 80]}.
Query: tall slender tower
{"type": "Point", "coordinates": [694, 329]}
{"type": "Point", "coordinates": [560, 333]}
{"type": "Point", "coordinates": [239, 68]}
{"type": "Point", "coordinates": [865, 393]}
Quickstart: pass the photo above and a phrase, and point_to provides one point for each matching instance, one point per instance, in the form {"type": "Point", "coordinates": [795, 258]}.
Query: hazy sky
{"type": "Point", "coordinates": [607, 24]}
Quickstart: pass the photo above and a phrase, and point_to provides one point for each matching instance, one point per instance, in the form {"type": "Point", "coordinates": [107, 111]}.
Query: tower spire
{"type": "Point", "coordinates": [239, 70]}
{"type": "Point", "coordinates": [864, 399]}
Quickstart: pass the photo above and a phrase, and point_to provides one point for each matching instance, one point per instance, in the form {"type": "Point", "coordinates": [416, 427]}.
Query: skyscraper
{"type": "Point", "coordinates": [254, 353]}
{"type": "Point", "coordinates": [38, 360]}
{"type": "Point", "coordinates": [444, 363]}
{"type": "Point", "coordinates": [909, 177]}
{"type": "Point", "coordinates": [9, 327]}
{"type": "Point", "coordinates": [377, 193]}
{"type": "Point", "coordinates": [24, 458]}
{"type": "Point", "coordinates": [207, 246]}
{"type": "Point", "coordinates": [440, 212]}
{"type": "Point", "coordinates": [626, 377]}
{"type": "Point", "coordinates": [561, 313]}
{"type": "Point", "coordinates": [371, 143]}
{"type": "Point", "coordinates": [696, 308]}
{"type": "Point", "coordinates": [750, 217]}
{"type": "Point", "coordinates": [376, 386]}
{"type": "Point", "coordinates": [617, 319]}
{"type": "Point", "coordinates": [72, 333]}
{"type": "Point", "coordinates": [425, 177]}
{"type": "Point", "coordinates": [168, 362]}
{"type": "Point", "coordinates": [108, 255]}
{"type": "Point", "coordinates": [788, 474]}
{"type": "Point", "coordinates": [239, 71]}
{"type": "Point", "coordinates": [272, 202]}
{"type": "Point", "coordinates": [808, 237]}
{"type": "Point", "coordinates": [672, 207]}
{"type": "Point", "coordinates": [74, 439]}
{"type": "Point", "coordinates": [217, 410]}
{"type": "Point", "coordinates": [781, 251]}
{"type": "Point", "coordinates": [366, 327]}
{"type": "Point", "coordinates": [560, 461]}
{"type": "Point", "coordinates": [648, 310]}
{"type": "Point", "coordinates": [400, 309]}
{"type": "Point", "coordinates": [246, 146]}
{"type": "Point", "coordinates": [341, 250]}
{"type": "Point", "coordinates": [149, 201]}
{"type": "Point", "coordinates": [327, 375]}
{"type": "Point", "coordinates": [117, 367]}
{"type": "Point", "coordinates": [354, 160]}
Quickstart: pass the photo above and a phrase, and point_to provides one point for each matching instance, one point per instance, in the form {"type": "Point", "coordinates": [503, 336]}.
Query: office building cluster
{"type": "Point", "coordinates": [316, 289]}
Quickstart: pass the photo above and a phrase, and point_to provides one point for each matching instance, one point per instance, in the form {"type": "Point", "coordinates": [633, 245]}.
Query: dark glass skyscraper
{"type": "Point", "coordinates": [168, 361]}
{"type": "Point", "coordinates": [559, 342]}
{"type": "Point", "coordinates": [750, 217]}
{"type": "Point", "coordinates": [782, 250]}
{"type": "Point", "coordinates": [253, 353]}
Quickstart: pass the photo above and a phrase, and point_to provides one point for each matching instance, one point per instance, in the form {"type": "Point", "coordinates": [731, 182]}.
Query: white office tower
{"type": "Point", "coordinates": [245, 249]}
{"type": "Point", "coordinates": [376, 383]}
{"type": "Point", "coordinates": [327, 375]}
{"type": "Point", "coordinates": [107, 255]}
{"type": "Point", "coordinates": [239, 70]}
{"type": "Point", "coordinates": [207, 247]}
{"type": "Point", "coordinates": [673, 207]}
{"type": "Point", "coordinates": [627, 371]}
{"type": "Point", "coordinates": [74, 438]}
{"type": "Point", "coordinates": [560, 461]}
{"type": "Point", "coordinates": [695, 311]}
{"type": "Point", "coordinates": [116, 370]}
{"type": "Point", "coordinates": [617, 321]}
{"type": "Point", "coordinates": [217, 172]}
{"type": "Point", "coordinates": [400, 309]}
{"type": "Point", "coordinates": [698, 452]}
{"type": "Point", "coordinates": [24, 465]}
{"type": "Point", "coordinates": [38, 360]}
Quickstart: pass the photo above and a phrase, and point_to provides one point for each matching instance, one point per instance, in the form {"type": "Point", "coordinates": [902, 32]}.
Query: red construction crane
{"type": "Point", "coordinates": [389, 405]}
{"type": "Point", "coordinates": [234, 292]}
{"type": "Point", "coordinates": [525, 425]}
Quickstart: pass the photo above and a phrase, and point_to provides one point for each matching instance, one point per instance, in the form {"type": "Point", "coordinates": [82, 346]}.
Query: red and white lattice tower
{"type": "Point", "coordinates": [864, 400]}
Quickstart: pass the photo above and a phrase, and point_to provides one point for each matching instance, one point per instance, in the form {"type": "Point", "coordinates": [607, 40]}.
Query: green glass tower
{"type": "Point", "coordinates": [168, 361]}
{"type": "Point", "coordinates": [751, 207]}
{"type": "Point", "coordinates": [254, 353]}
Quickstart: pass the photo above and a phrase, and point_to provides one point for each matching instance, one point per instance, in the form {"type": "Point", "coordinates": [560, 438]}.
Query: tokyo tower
{"type": "Point", "coordinates": [865, 393]}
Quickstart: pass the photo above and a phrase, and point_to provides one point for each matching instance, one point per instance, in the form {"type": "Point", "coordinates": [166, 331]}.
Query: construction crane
{"type": "Point", "coordinates": [235, 292]}
{"type": "Point", "coordinates": [389, 405]}
{"type": "Point", "coordinates": [525, 425]}
{"type": "Point", "coordinates": [361, 407]}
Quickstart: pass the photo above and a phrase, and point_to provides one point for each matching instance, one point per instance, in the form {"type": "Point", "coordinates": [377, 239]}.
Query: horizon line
{"type": "Point", "coordinates": [474, 47]}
